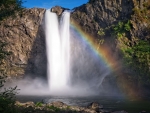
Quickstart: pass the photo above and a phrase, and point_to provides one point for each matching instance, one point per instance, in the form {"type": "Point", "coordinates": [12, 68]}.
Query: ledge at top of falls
{"type": "Point", "coordinates": [58, 10]}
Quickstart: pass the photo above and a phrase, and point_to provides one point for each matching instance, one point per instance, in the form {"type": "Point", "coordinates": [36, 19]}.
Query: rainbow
{"type": "Point", "coordinates": [104, 53]}
{"type": "Point", "coordinates": [101, 51]}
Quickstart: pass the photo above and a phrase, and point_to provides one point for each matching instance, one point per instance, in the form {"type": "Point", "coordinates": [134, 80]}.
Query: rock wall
{"type": "Point", "coordinates": [102, 13]}
{"type": "Point", "coordinates": [24, 37]}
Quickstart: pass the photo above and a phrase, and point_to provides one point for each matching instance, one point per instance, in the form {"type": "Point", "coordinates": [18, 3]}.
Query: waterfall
{"type": "Point", "coordinates": [84, 72]}
{"type": "Point", "coordinates": [65, 41]}
{"type": "Point", "coordinates": [57, 45]}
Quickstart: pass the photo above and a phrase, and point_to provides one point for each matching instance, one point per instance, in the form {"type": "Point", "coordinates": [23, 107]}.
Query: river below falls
{"type": "Point", "coordinates": [109, 103]}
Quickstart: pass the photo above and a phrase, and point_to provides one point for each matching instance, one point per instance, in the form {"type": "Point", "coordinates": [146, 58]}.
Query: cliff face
{"type": "Point", "coordinates": [24, 37]}
{"type": "Point", "coordinates": [124, 25]}
{"type": "Point", "coordinates": [102, 13]}
{"type": "Point", "coordinates": [127, 19]}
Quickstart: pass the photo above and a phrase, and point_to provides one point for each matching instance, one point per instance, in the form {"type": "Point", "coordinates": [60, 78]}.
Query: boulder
{"type": "Point", "coordinates": [94, 106]}
{"type": "Point", "coordinates": [26, 104]}
{"type": "Point", "coordinates": [58, 104]}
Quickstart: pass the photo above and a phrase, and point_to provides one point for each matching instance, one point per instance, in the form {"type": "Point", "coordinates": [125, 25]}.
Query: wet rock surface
{"type": "Point", "coordinates": [60, 107]}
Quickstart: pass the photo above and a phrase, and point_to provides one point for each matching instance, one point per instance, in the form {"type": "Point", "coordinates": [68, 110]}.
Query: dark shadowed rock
{"type": "Point", "coordinates": [120, 111]}
{"type": "Point", "coordinates": [143, 112]}
{"type": "Point", "coordinates": [104, 111]}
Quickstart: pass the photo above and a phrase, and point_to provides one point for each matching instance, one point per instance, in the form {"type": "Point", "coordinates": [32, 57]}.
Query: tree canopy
{"type": "Point", "coordinates": [9, 7]}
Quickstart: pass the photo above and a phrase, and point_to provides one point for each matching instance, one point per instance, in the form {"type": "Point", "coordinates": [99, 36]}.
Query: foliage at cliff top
{"type": "Point", "coordinates": [9, 7]}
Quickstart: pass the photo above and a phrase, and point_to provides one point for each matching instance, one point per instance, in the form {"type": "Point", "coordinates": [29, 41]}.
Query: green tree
{"type": "Point", "coordinates": [122, 28]}
{"type": "Point", "coordinates": [9, 7]}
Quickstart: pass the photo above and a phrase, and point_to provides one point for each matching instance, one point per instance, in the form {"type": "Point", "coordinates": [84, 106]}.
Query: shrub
{"type": "Point", "coordinates": [7, 96]}
{"type": "Point", "coordinates": [137, 58]}
{"type": "Point", "coordinates": [121, 28]}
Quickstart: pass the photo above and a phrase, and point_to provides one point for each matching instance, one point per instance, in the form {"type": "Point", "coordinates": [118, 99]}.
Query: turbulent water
{"type": "Point", "coordinates": [57, 45]}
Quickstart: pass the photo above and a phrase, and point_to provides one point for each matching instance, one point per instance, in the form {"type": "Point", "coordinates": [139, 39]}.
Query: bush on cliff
{"type": "Point", "coordinates": [138, 58]}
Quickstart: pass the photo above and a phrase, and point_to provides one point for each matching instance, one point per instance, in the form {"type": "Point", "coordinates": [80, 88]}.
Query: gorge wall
{"type": "Point", "coordinates": [25, 38]}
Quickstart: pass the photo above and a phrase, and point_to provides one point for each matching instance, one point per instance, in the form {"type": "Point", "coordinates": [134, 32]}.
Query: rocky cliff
{"type": "Point", "coordinates": [101, 14]}
{"type": "Point", "coordinates": [25, 38]}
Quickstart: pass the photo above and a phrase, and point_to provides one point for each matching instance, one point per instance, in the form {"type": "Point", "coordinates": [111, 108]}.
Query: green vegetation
{"type": "Point", "coordinates": [121, 28]}
{"type": "Point", "coordinates": [7, 99]}
{"type": "Point", "coordinates": [55, 109]}
{"type": "Point", "coordinates": [7, 96]}
{"type": "Point", "coordinates": [137, 58]}
{"type": "Point", "coordinates": [39, 104]}
{"type": "Point", "coordinates": [136, 53]}
{"type": "Point", "coordinates": [101, 32]}
{"type": "Point", "coordinates": [9, 7]}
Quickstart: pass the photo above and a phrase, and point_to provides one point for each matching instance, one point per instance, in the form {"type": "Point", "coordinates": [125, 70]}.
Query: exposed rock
{"type": "Point", "coordinates": [102, 13]}
{"type": "Point", "coordinates": [25, 39]}
{"type": "Point", "coordinates": [26, 104]}
{"type": "Point", "coordinates": [58, 10]}
{"type": "Point", "coordinates": [59, 107]}
{"type": "Point", "coordinates": [53, 107]}
{"type": "Point", "coordinates": [95, 106]}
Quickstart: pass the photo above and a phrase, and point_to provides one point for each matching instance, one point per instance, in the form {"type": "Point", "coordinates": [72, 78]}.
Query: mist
{"type": "Point", "coordinates": [85, 74]}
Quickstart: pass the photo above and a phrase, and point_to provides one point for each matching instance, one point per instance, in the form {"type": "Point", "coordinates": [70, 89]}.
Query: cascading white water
{"type": "Point", "coordinates": [57, 45]}
{"type": "Point", "coordinates": [84, 73]}
{"type": "Point", "coordinates": [65, 44]}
